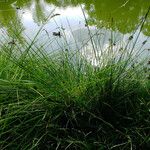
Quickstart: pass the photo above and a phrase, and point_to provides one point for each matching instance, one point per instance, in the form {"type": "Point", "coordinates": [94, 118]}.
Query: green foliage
{"type": "Point", "coordinates": [62, 101]}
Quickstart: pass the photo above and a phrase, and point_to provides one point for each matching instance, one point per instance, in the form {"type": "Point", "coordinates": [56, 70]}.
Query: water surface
{"type": "Point", "coordinates": [123, 17]}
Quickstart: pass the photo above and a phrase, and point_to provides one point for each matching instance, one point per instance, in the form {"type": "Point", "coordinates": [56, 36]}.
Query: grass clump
{"type": "Point", "coordinates": [61, 101]}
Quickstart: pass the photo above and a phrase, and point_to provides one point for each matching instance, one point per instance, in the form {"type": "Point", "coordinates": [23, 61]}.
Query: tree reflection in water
{"type": "Point", "coordinates": [126, 14]}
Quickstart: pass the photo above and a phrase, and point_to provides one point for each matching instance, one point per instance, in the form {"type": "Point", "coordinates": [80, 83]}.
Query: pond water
{"type": "Point", "coordinates": [64, 22]}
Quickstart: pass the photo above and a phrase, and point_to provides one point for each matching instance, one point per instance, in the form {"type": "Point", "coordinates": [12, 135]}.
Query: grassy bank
{"type": "Point", "coordinates": [61, 101]}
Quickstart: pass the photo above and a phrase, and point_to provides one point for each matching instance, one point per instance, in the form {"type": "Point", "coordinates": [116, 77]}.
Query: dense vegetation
{"type": "Point", "coordinates": [61, 101]}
